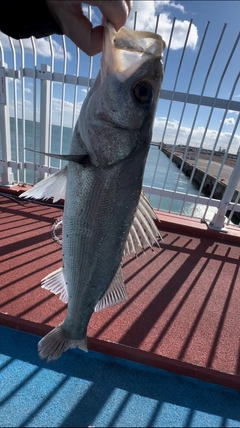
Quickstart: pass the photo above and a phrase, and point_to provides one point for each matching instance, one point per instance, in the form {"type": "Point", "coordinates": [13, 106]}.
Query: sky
{"type": "Point", "coordinates": [217, 131]}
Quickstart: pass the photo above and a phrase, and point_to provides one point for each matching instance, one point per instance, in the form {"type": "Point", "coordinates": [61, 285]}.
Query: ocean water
{"type": "Point", "coordinates": [167, 176]}
{"type": "Point", "coordinates": [30, 138]}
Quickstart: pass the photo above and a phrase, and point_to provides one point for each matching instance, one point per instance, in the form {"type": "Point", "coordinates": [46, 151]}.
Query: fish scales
{"type": "Point", "coordinates": [111, 217]}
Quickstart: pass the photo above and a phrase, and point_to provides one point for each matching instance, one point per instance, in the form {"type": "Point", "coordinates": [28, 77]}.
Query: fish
{"type": "Point", "coordinates": [143, 233]}
{"type": "Point", "coordinates": [106, 214]}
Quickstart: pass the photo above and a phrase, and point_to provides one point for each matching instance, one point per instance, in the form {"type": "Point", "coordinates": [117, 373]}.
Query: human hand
{"type": "Point", "coordinates": [78, 27]}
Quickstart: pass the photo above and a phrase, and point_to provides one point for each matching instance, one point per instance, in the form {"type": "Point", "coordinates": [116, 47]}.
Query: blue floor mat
{"type": "Point", "coordinates": [92, 389]}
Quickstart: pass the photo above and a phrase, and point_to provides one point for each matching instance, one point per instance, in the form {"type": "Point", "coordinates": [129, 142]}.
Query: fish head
{"type": "Point", "coordinates": [118, 113]}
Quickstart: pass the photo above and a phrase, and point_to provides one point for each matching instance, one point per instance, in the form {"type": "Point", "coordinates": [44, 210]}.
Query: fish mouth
{"type": "Point", "coordinates": [124, 51]}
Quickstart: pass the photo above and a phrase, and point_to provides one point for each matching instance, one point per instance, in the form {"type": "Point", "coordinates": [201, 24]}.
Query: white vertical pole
{"type": "Point", "coordinates": [7, 174]}
{"type": "Point", "coordinates": [218, 220]}
{"type": "Point", "coordinates": [44, 118]}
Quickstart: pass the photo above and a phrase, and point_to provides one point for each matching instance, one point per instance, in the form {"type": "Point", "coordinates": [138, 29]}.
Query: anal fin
{"type": "Point", "coordinates": [55, 283]}
{"type": "Point", "coordinates": [115, 294]}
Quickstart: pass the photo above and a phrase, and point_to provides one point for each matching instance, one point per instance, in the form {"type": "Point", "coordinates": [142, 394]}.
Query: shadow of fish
{"type": "Point", "coordinates": [104, 209]}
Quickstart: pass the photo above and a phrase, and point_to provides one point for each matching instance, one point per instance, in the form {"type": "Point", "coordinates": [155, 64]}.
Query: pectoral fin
{"type": "Point", "coordinates": [52, 186]}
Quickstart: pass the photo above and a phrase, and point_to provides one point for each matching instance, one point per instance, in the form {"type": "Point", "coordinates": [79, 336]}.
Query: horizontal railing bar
{"type": "Point", "coordinates": [165, 93]}
{"type": "Point", "coordinates": [179, 195]}
{"type": "Point", "coordinates": [29, 165]}
{"type": "Point", "coordinates": [201, 200]}
{"type": "Point", "coordinates": [195, 99]}
{"type": "Point", "coordinates": [41, 168]}
{"type": "Point", "coordinates": [47, 75]}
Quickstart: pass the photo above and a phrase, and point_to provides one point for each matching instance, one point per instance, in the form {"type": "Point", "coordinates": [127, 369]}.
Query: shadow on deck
{"type": "Point", "coordinates": [182, 314]}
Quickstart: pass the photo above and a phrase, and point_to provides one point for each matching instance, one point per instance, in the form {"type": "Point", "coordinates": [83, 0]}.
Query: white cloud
{"type": "Point", "coordinates": [94, 16]}
{"type": "Point", "coordinates": [28, 106]}
{"type": "Point", "coordinates": [56, 110]}
{"type": "Point", "coordinates": [229, 121]}
{"type": "Point", "coordinates": [11, 81]}
{"type": "Point", "coordinates": [42, 47]}
{"type": "Point", "coordinates": [19, 85]}
{"type": "Point", "coordinates": [197, 135]}
{"type": "Point", "coordinates": [68, 111]}
{"type": "Point", "coordinates": [233, 111]}
{"type": "Point", "coordinates": [147, 12]}
{"type": "Point", "coordinates": [68, 106]}
{"type": "Point", "coordinates": [160, 4]}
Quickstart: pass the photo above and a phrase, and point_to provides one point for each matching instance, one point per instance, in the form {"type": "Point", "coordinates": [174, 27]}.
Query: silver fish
{"type": "Point", "coordinates": [105, 213]}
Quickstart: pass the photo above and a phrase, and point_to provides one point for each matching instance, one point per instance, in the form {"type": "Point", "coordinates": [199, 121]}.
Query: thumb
{"type": "Point", "coordinates": [115, 11]}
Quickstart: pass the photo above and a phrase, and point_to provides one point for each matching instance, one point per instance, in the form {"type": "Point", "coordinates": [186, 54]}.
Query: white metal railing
{"type": "Point", "coordinates": [20, 128]}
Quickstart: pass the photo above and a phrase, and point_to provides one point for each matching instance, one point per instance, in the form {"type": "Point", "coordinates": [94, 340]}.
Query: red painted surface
{"type": "Point", "coordinates": [182, 313]}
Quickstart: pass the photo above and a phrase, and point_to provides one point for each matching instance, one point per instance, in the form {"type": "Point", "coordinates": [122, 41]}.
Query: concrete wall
{"type": "Point", "coordinates": [198, 177]}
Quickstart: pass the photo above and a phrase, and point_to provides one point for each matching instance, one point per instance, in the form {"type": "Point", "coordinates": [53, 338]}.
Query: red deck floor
{"type": "Point", "coordinates": [183, 311]}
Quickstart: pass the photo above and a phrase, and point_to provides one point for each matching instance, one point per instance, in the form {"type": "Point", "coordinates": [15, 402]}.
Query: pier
{"type": "Point", "coordinates": [199, 172]}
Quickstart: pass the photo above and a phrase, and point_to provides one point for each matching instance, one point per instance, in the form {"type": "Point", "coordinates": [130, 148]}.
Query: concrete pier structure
{"type": "Point", "coordinates": [211, 176]}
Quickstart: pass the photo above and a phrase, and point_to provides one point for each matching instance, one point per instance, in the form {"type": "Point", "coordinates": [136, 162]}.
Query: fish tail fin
{"type": "Point", "coordinates": [55, 343]}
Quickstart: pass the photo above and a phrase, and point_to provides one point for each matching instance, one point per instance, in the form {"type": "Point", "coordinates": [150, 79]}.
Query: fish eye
{"type": "Point", "coordinates": [143, 92]}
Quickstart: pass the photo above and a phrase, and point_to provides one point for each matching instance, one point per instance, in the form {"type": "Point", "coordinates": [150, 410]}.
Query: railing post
{"type": "Point", "coordinates": [217, 223]}
{"type": "Point", "coordinates": [7, 174]}
{"type": "Point", "coordinates": [44, 118]}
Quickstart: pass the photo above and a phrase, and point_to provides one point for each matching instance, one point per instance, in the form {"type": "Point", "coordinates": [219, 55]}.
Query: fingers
{"type": "Point", "coordinates": [79, 29]}
{"type": "Point", "coordinates": [77, 26]}
{"type": "Point", "coordinates": [87, 38]}
{"type": "Point", "coordinates": [115, 11]}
